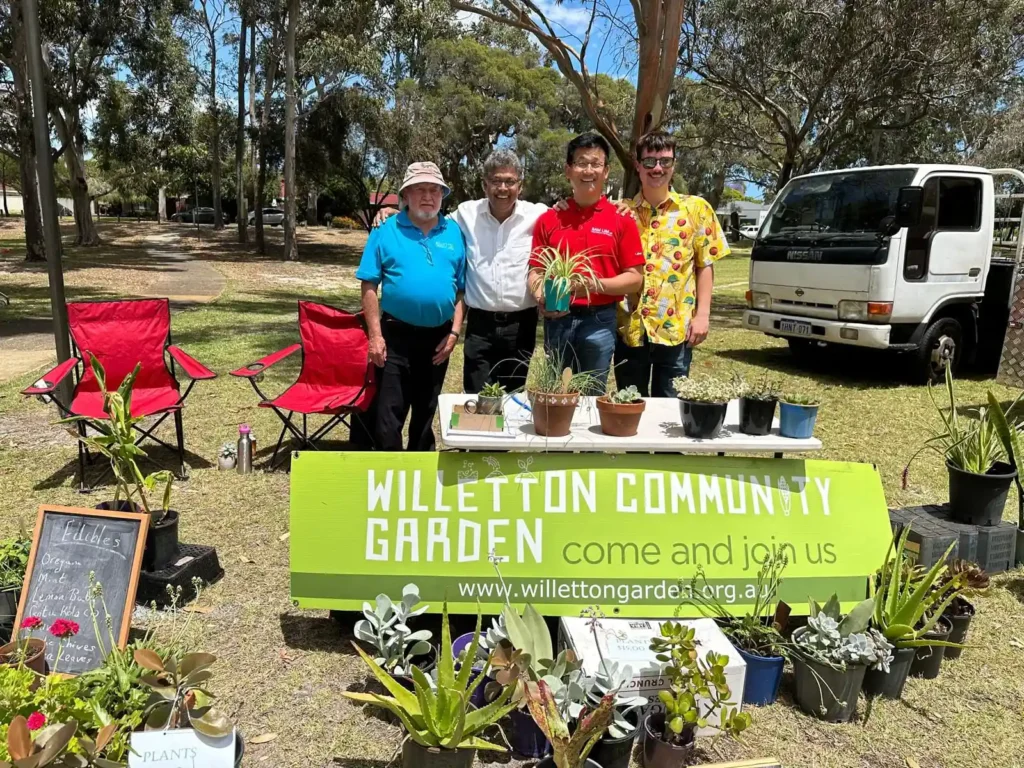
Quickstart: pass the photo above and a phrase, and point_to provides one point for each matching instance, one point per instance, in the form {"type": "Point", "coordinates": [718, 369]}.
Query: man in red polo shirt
{"type": "Point", "coordinates": [585, 335]}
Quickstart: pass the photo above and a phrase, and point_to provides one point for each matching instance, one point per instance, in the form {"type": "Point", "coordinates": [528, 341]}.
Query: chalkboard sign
{"type": "Point", "coordinates": [69, 544]}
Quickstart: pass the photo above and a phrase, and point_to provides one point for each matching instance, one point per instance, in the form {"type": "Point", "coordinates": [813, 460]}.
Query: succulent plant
{"type": "Point", "coordinates": [179, 699]}
{"type": "Point", "coordinates": [39, 749]}
{"type": "Point", "coordinates": [628, 395]}
{"type": "Point", "coordinates": [228, 451]}
{"type": "Point", "coordinates": [705, 390]}
{"type": "Point", "coordinates": [612, 678]}
{"type": "Point", "coordinates": [569, 751]}
{"type": "Point", "coordinates": [385, 629]}
{"type": "Point", "coordinates": [493, 389]}
{"type": "Point", "coordinates": [837, 641]}
{"type": "Point", "coordinates": [528, 656]}
{"type": "Point", "coordinates": [799, 398]}
{"type": "Point", "coordinates": [973, 579]}
{"type": "Point", "coordinates": [496, 634]}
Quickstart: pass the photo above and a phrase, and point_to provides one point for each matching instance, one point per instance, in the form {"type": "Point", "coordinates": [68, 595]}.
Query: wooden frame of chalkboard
{"type": "Point", "coordinates": [136, 565]}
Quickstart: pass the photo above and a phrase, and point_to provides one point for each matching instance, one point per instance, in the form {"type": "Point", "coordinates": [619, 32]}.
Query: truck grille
{"type": "Point", "coordinates": [811, 304]}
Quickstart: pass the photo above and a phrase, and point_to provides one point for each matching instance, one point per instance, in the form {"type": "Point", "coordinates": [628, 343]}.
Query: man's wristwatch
{"type": "Point", "coordinates": [455, 334]}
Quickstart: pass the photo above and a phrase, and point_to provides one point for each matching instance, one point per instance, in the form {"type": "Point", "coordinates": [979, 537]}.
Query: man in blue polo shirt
{"type": "Point", "coordinates": [417, 261]}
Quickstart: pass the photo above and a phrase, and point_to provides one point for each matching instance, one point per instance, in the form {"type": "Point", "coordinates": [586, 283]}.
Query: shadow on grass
{"type": "Point", "coordinates": [360, 762]}
{"type": "Point", "coordinates": [319, 633]}
{"type": "Point", "coordinates": [1015, 586]}
{"type": "Point", "coordinates": [851, 368]}
{"type": "Point", "coordinates": [98, 475]}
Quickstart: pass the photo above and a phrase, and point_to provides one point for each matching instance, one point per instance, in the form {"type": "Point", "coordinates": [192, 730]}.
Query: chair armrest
{"type": "Point", "coordinates": [52, 379]}
{"type": "Point", "coordinates": [192, 367]}
{"type": "Point", "coordinates": [254, 369]}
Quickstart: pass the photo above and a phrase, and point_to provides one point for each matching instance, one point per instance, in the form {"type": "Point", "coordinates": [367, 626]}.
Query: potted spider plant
{"type": "Point", "coordinates": [554, 392]}
{"type": "Point", "coordinates": [702, 404]}
{"type": "Point", "coordinates": [620, 412]}
{"type": "Point", "coordinates": [564, 274]}
{"type": "Point", "coordinates": [757, 405]}
{"type": "Point", "coordinates": [797, 414]}
{"type": "Point", "coordinates": [1010, 434]}
{"type": "Point", "coordinates": [976, 459]}
{"type": "Point", "coordinates": [488, 401]}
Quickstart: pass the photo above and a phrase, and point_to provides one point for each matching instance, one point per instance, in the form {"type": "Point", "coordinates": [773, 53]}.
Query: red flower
{"type": "Point", "coordinates": [36, 721]}
{"type": "Point", "coordinates": [64, 628]}
{"type": "Point", "coordinates": [31, 622]}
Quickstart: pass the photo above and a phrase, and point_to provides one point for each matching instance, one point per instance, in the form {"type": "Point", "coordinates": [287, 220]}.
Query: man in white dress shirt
{"type": "Point", "coordinates": [501, 331]}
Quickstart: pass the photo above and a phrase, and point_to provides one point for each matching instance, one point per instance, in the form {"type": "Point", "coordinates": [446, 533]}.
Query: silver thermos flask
{"type": "Point", "coordinates": [245, 443]}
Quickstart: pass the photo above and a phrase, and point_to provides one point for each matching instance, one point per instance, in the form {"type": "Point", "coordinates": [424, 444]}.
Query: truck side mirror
{"type": "Point", "coordinates": [908, 207]}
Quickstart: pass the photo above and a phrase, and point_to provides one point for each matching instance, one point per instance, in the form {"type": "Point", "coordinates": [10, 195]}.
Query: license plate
{"type": "Point", "coordinates": [794, 326]}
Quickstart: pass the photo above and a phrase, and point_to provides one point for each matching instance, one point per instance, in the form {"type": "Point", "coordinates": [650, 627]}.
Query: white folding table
{"type": "Point", "coordinates": [660, 431]}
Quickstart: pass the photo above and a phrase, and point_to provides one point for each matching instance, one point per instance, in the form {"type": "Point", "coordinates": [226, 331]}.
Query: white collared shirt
{"type": "Point", "coordinates": [497, 255]}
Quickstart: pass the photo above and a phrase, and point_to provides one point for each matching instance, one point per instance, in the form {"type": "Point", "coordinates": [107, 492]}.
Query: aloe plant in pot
{"type": "Point", "coordinates": [620, 412]}
{"type": "Point", "coordinates": [441, 727]}
{"type": "Point", "coordinates": [702, 404]}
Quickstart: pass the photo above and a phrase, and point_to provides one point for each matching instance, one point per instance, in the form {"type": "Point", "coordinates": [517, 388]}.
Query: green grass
{"type": "Point", "coordinates": [281, 670]}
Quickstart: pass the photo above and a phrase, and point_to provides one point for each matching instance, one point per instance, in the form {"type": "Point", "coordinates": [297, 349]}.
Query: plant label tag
{"type": "Point", "coordinates": [180, 748]}
{"type": "Point", "coordinates": [186, 559]}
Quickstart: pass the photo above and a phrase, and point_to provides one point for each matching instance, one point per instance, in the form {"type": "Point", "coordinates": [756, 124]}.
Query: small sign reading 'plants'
{"type": "Point", "coordinates": [181, 748]}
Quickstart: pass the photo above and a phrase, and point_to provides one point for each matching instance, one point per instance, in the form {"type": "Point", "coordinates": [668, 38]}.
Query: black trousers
{"type": "Point", "coordinates": [498, 348]}
{"type": "Point", "coordinates": [408, 381]}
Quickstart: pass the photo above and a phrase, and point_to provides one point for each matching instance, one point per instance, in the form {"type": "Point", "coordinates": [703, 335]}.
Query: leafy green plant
{"type": "Point", "coordinates": [494, 389]}
{"type": "Point", "coordinates": [765, 388]}
{"type": "Point", "coordinates": [179, 699]}
{"type": "Point", "coordinates": [755, 632]}
{"type": "Point", "coordinates": [529, 655]}
{"type": "Point", "coordinates": [1011, 435]}
{"type": "Point", "coordinates": [117, 441]}
{"type": "Point", "coordinates": [628, 395]}
{"type": "Point", "coordinates": [440, 718]}
{"type": "Point", "coordinates": [36, 751]}
{"type": "Point", "coordinates": [799, 398]}
{"type": "Point", "coordinates": [690, 678]}
{"type": "Point", "coordinates": [385, 629]}
{"type": "Point", "coordinates": [837, 641]}
{"type": "Point", "coordinates": [906, 608]}
{"type": "Point", "coordinates": [612, 679]}
{"type": "Point", "coordinates": [228, 451]}
{"type": "Point", "coordinates": [566, 271]}
{"type": "Point", "coordinates": [705, 390]}
{"type": "Point", "coordinates": [14, 554]}
{"type": "Point", "coordinates": [570, 751]}
{"type": "Point", "coordinates": [550, 373]}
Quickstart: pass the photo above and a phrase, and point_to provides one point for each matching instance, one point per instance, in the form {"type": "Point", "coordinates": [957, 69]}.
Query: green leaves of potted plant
{"type": "Point", "coordinates": [38, 750]}
{"type": "Point", "coordinates": [979, 476]}
{"type": "Point", "coordinates": [702, 404]}
{"type": "Point", "coordinates": [14, 554]}
{"type": "Point", "coordinates": [179, 699]}
{"type": "Point", "coordinates": [564, 273]}
{"type": "Point", "coordinates": [620, 412]}
{"type": "Point", "coordinates": [797, 414]}
{"type": "Point", "coordinates": [831, 655]}
{"type": "Point", "coordinates": [570, 751]}
{"type": "Point", "coordinates": [132, 489]}
{"type": "Point", "coordinates": [757, 405]}
{"type": "Point", "coordinates": [699, 695]}
{"type": "Point", "coordinates": [488, 401]}
{"type": "Point", "coordinates": [1012, 437]}
{"type": "Point", "coordinates": [396, 647]}
{"type": "Point", "coordinates": [616, 746]}
{"type": "Point", "coordinates": [227, 457]}
{"type": "Point", "coordinates": [554, 392]}
{"type": "Point", "coordinates": [441, 728]}
{"type": "Point", "coordinates": [973, 581]}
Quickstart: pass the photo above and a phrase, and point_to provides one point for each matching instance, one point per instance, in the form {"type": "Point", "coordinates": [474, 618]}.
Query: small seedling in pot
{"type": "Point", "coordinates": [493, 390]}
{"type": "Point", "coordinates": [798, 398]}
{"type": "Point", "coordinates": [628, 395]}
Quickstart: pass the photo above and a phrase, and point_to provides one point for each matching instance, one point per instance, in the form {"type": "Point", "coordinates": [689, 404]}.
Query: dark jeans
{"type": "Point", "coordinates": [498, 348]}
{"type": "Point", "coordinates": [408, 381]}
{"type": "Point", "coordinates": [585, 338]}
{"type": "Point", "coordinates": [651, 364]}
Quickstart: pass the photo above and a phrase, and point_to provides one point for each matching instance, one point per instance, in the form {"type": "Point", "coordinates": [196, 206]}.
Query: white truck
{"type": "Point", "coordinates": [916, 259]}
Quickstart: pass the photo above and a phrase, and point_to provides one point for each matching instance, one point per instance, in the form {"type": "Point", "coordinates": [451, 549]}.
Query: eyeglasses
{"type": "Point", "coordinates": [500, 183]}
{"type": "Point", "coordinates": [581, 166]}
{"type": "Point", "coordinates": [653, 162]}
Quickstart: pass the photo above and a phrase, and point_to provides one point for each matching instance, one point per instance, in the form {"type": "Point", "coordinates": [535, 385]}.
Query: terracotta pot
{"type": "Point", "coordinates": [552, 413]}
{"type": "Point", "coordinates": [619, 419]}
{"type": "Point", "coordinates": [35, 660]}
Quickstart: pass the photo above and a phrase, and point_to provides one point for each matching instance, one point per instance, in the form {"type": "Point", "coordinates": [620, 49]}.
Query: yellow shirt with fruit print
{"type": "Point", "coordinates": [679, 235]}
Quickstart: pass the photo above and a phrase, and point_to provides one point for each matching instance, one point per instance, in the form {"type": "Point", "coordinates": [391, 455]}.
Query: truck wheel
{"type": "Point", "coordinates": [941, 345]}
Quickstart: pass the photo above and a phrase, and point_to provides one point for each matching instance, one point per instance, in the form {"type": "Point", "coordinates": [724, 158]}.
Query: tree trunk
{"type": "Point", "coordinates": [218, 216]}
{"type": "Point", "coordinates": [312, 196]}
{"type": "Point", "coordinates": [73, 156]}
{"type": "Point", "coordinates": [35, 246]}
{"type": "Point", "coordinates": [269, 73]}
{"type": "Point", "coordinates": [243, 229]}
{"type": "Point", "coordinates": [252, 116]}
{"type": "Point", "coordinates": [786, 173]}
{"type": "Point", "coordinates": [161, 205]}
{"type": "Point", "coordinates": [715, 196]}
{"type": "Point", "coordinates": [3, 183]}
{"type": "Point", "coordinates": [291, 248]}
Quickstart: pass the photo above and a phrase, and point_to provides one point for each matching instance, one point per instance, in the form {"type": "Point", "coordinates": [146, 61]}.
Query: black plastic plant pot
{"type": "Point", "coordinates": [239, 748]}
{"type": "Point", "coordinates": [659, 753]}
{"type": "Point", "coordinates": [889, 685]}
{"type": "Point", "coordinates": [756, 416]}
{"type": "Point", "coordinates": [928, 659]}
{"type": "Point", "coordinates": [827, 693]}
{"type": "Point", "coordinates": [615, 753]}
{"type": "Point", "coordinates": [416, 756]}
{"type": "Point", "coordinates": [702, 420]}
{"type": "Point", "coordinates": [527, 739]}
{"type": "Point", "coordinates": [426, 664]}
{"type": "Point", "coordinates": [959, 613]}
{"type": "Point", "coordinates": [161, 543]}
{"type": "Point", "coordinates": [979, 499]}
{"type": "Point", "coordinates": [9, 605]}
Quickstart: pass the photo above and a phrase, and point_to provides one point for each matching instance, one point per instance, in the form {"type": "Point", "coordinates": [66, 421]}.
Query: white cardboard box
{"type": "Point", "coordinates": [627, 641]}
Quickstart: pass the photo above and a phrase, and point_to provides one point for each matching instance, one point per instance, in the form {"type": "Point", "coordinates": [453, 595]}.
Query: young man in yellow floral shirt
{"type": "Point", "coordinates": [682, 239]}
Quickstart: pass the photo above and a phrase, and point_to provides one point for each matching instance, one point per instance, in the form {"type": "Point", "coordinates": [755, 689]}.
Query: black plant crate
{"type": "Point", "coordinates": [929, 536]}
{"type": "Point", "coordinates": [997, 547]}
{"type": "Point", "coordinates": [932, 530]}
{"type": "Point", "coordinates": [203, 563]}
{"type": "Point", "coordinates": [967, 534]}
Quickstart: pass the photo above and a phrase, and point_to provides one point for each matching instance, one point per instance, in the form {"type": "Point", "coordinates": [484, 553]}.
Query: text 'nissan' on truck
{"type": "Point", "coordinates": [916, 259]}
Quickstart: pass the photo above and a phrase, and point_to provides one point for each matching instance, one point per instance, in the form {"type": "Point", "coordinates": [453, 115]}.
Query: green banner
{"type": "Point", "coordinates": [567, 531]}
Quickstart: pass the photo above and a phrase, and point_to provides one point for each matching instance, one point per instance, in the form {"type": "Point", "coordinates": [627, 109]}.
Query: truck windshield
{"type": "Point", "coordinates": [835, 207]}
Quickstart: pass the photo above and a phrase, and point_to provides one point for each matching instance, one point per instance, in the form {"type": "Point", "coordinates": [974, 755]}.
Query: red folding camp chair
{"type": "Point", "coordinates": [336, 379]}
{"type": "Point", "coordinates": [122, 334]}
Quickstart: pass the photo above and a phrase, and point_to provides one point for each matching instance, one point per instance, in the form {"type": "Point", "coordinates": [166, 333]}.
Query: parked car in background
{"type": "Point", "coordinates": [272, 216]}
{"type": "Point", "coordinates": [200, 215]}
{"type": "Point", "coordinates": [749, 232]}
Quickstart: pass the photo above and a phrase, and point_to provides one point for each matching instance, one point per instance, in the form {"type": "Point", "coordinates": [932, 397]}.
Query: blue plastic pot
{"type": "Point", "coordinates": [555, 300]}
{"type": "Point", "coordinates": [797, 420]}
{"type": "Point", "coordinates": [479, 695]}
{"type": "Point", "coordinates": [526, 738]}
{"type": "Point", "coordinates": [764, 674]}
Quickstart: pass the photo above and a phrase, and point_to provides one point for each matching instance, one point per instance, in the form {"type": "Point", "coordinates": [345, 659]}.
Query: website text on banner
{"type": "Point", "coordinates": [625, 532]}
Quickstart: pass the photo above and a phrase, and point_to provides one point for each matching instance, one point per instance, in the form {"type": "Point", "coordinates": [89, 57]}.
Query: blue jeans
{"type": "Point", "coordinates": [585, 338]}
{"type": "Point", "coordinates": [651, 364]}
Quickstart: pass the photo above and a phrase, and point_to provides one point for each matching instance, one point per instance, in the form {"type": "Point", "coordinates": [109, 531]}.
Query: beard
{"type": "Point", "coordinates": [418, 214]}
